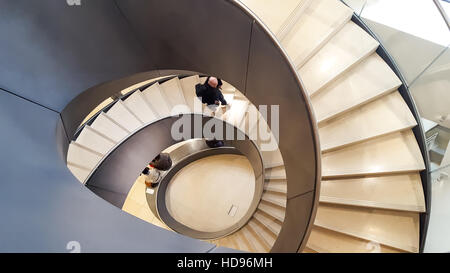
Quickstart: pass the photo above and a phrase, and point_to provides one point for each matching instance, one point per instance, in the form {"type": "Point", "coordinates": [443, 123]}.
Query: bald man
{"type": "Point", "coordinates": [210, 92]}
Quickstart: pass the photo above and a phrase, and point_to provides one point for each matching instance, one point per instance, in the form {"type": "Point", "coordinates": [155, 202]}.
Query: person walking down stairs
{"type": "Point", "coordinates": [210, 93]}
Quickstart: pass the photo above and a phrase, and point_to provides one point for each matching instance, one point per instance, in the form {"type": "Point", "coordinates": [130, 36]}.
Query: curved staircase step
{"type": "Point", "coordinates": [327, 241]}
{"type": "Point", "coordinates": [388, 227]}
{"type": "Point", "coordinates": [82, 156]}
{"type": "Point", "coordinates": [396, 192]}
{"type": "Point", "coordinates": [275, 173]}
{"type": "Point", "coordinates": [320, 21]}
{"type": "Point", "coordinates": [157, 101]}
{"type": "Point", "coordinates": [106, 126]}
{"type": "Point", "coordinates": [140, 108]}
{"type": "Point", "coordinates": [94, 140]}
{"type": "Point", "coordinates": [367, 81]}
{"type": "Point", "coordinates": [276, 212]}
{"type": "Point", "coordinates": [275, 198]}
{"type": "Point", "coordinates": [188, 85]}
{"type": "Point", "coordinates": [278, 186]}
{"type": "Point", "coordinates": [173, 93]}
{"type": "Point", "coordinates": [123, 116]}
{"type": "Point", "coordinates": [347, 48]}
{"type": "Point", "coordinates": [386, 115]}
{"type": "Point", "coordinates": [394, 153]}
{"type": "Point", "coordinates": [267, 238]}
{"type": "Point", "coordinates": [271, 223]}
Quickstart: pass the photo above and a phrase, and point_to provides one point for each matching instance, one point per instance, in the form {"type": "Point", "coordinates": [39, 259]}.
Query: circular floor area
{"type": "Point", "coordinates": [213, 193]}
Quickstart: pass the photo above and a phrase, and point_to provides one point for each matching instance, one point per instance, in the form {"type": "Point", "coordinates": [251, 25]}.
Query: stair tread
{"type": "Point", "coordinates": [275, 198]}
{"type": "Point", "coordinates": [173, 93]}
{"type": "Point", "coordinates": [392, 228]}
{"type": "Point", "coordinates": [269, 222]}
{"type": "Point", "coordinates": [272, 158]}
{"type": "Point", "coordinates": [274, 211]}
{"type": "Point", "coordinates": [80, 173]}
{"type": "Point", "coordinates": [249, 122]}
{"type": "Point", "coordinates": [107, 127]}
{"type": "Point", "coordinates": [188, 85]}
{"type": "Point", "coordinates": [318, 23]}
{"type": "Point", "coordinates": [267, 237]}
{"type": "Point", "coordinates": [82, 156]}
{"type": "Point", "coordinates": [242, 242]}
{"type": "Point", "coordinates": [380, 117]}
{"type": "Point", "coordinates": [138, 105]}
{"type": "Point", "coordinates": [279, 186]}
{"type": "Point", "coordinates": [156, 100]}
{"type": "Point", "coordinates": [278, 172]}
{"type": "Point", "coordinates": [120, 114]}
{"type": "Point", "coordinates": [253, 238]}
{"type": "Point", "coordinates": [327, 241]}
{"type": "Point", "coordinates": [394, 153]}
{"type": "Point", "coordinates": [348, 47]}
{"type": "Point", "coordinates": [369, 80]}
{"type": "Point", "coordinates": [272, 12]}
{"type": "Point", "coordinates": [397, 192]}
{"type": "Point", "coordinates": [94, 141]}
{"type": "Point", "coordinates": [237, 111]}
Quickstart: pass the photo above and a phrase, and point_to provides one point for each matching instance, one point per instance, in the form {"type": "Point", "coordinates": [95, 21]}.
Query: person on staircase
{"type": "Point", "coordinates": [153, 172]}
{"type": "Point", "coordinates": [210, 93]}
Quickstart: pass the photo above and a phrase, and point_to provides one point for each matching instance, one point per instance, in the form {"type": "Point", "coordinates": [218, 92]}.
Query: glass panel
{"type": "Point", "coordinates": [431, 91]}
{"type": "Point", "coordinates": [413, 32]}
{"type": "Point", "coordinates": [356, 5]}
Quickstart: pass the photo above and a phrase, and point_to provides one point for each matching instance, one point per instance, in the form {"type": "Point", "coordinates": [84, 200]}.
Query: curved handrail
{"type": "Point", "coordinates": [418, 131]}
{"type": "Point", "coordinates": [442, 12]}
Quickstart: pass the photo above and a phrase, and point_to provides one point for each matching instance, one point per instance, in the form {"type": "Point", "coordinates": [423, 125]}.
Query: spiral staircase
{"type": "Point", "coordinates": [371, 194]}
{"type": "Point", "coordinates": [371, 190]}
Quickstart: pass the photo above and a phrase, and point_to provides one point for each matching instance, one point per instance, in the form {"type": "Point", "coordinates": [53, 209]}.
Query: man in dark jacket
{"type": "Point", "coordinates": [209, 92]}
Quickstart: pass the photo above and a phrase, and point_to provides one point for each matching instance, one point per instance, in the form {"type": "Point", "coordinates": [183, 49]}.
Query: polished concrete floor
{"type": "Point", "coordinates": [213, 193]}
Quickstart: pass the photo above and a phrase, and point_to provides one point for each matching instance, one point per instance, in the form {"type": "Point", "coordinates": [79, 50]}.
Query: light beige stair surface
{"type": "Point", "coordinates": [188, 85]}
{"type": "Point", "coordinates": [275, 211]}
{"type": "Point", "coordinates": [82, 156]}
{"type": "Point", "coordinates": [268, 221]}
{"type": "Point", "coordinates": [328, 241]}
{"type": "Point", "coordinates": [93, 140]}
{"type": "Point", "coordinates": [123, 116]}
{"type": "Point", "coordinates": [394, 153]}
{"type": "Point", "coordinates": [236, 112]}
{"type": "Point", "coordinates": [367, 81]}
{"type": "Point", "coordinates": [275, 198]}
{"type": "Point", "coordinates": [139, 106]}
{"type": "Point", "coordinates": [242, 242]}
{"type": "Point", "coordinates": [273, 13]}
{"type": "Point", "coordinates": [157, 100]}
{"type": "Point", "coordinates": [173, 93]}
{"type": "Point", "coordinates": [348, 47]}
{"type": "Point", "coordinates": [275, 173]}
{"type": "Point", "coordinates": [267, 237]}
{"type": "Point", "coordinates": [255, 240]}
{"type": "Point", "coordinates": [80, 173]}
{"type": "Point", "coordinates": [105, 125]}
{"type": "Point", "coordinates": [272, 159]}
{"type": "Point", "coordinates": [279, 186]}
{"type": "Point", "coordinates": [397, 192]}
{"type": "Point", "coordinates": [392, 228]}
{"type": "Point", "coordinates": [383, 116]}
{"type": "Point", "coordinates": [320, 21]}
